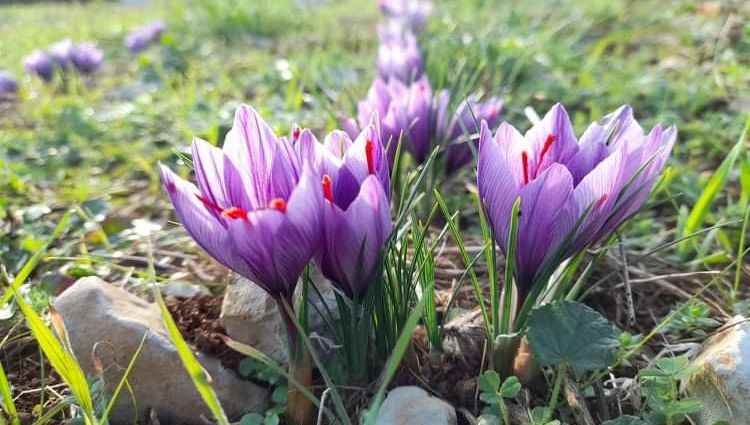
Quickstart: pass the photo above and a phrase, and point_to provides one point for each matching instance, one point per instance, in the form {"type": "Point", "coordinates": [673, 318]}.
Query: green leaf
{"type": "Point", "coordinates": [625, 420]}
{"type": "Point", "coordinates": [539, 414]}
{"type": "Point", "coordinates": [574, 334]}
{"type": "Point", "coordinates": [511, 387]}
{"type": "Point", "coordinates": [714, 185]}
{"type": "Point", "coordinates": [489, 381]}
{"type": "Point", "coordinates": [682, 407]}
{"type": "Point", "coordinates": [252, 419]}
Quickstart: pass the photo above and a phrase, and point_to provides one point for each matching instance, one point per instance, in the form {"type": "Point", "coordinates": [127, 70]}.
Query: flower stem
{"type": "Point", "coordinates": [299, 410]}
{"type": "Point", "coordinates": [555, 392]}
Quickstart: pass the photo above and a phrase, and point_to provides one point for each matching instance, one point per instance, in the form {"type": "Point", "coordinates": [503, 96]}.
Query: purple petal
{"type": "Point", "coordinates": [542, 200]}
{"type": "Point", "coordinates": [552, 140]}
{"type": "Point", "coordinates": [203, 226]}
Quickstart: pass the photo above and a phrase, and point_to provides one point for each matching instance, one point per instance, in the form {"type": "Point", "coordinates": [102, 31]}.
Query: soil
{"type": "Point", "coordinates": [198, 320]}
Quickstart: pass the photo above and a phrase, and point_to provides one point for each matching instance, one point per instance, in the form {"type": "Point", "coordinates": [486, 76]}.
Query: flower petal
{"type": "Point", "coordinates": [205, 228]}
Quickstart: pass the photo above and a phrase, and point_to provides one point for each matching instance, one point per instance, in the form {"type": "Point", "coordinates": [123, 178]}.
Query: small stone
{"type": "Point", "coordinates": [251, 316]}
{"type": "Point", "coordinates": [722, 378]}
{"type": "Point", "coordinates": [181, 289]}
{"type": "Point", "coordinates": [414, 406]}
{"type": "Point", "coordinates": [106, 324]}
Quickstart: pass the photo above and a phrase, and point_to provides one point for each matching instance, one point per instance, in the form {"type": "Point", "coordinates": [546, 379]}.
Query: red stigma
{"type": "Point", "coordinates": [278, 204]}
{"type": "Point", "coordinates": [525, 161]}
{"type": "Point", "coordinates": [369, 153]}
{"type": "Point", "coordinates": [234, 213]}
{"type": "Point", "coordinates": [547, 144]}
{"type": "Point", "coordinates": [601, 201]}
{"type": "Point", "coordinates": [327, 187]}
{"type": "Point", "coordinates": [210, 205]}
{"type": "Point", "coordinates": [296, 131]}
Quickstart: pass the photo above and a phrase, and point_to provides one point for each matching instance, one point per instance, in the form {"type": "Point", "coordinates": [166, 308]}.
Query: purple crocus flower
{"type": "Point", "coordinates": [573, 194]}
{"type": "Point", "coordinates": [458, 131]}
{"type": "Point", "coordinates": [62, 52]}
{"type": "Point", "coordinates": [86, 58]}
{"type": "Point", "coordinates": [40, 64]}
{"type": "Point", "coordinates": [256, 208]}
{"type": "Point", "coordinates": [356, 219]}
{"type": "Point", "coordinates": [411, 13]}
{"type": "Point", "coordinates": [140, 38]}
{"type": "Point", "coordinates": [8, 85]}
{"type": "Point", "coordinates": [399, 57]}
{"type": "Point", "coordinates": [401, 112]}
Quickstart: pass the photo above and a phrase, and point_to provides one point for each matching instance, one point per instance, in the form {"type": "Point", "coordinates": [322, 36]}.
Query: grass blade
{"type": "Point", "coordinates": [8, 405]}
{"type": "Point", "coordinates": [393, 362]}
{"type": "Point", "coordinates": [200, 377]}
{"type": "Point", "coordinates": [30, 265]}
{"type": "Point", "coordinates": [510, 264]}
{"type": "Point", "coordinates": [63, 361]}
{"type": "Point", "coordinates": [124, 379]}
{"type": "Point", "coordinates": [465, 257]}
{"type": "Point", "coordinates": [711, 190]}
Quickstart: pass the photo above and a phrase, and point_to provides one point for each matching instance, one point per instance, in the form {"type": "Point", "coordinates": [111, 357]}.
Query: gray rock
{"type": "Point", "coordinates": [107, 323]}
{"type": "Point", "coordinates": [251, 317]}
{"type": "Point", "coordinates": [414, 406]}
{"type": "Point", "coordinates": [722, 379]}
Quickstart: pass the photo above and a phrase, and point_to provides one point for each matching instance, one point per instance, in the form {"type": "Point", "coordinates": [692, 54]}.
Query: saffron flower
{"type": "Point", "coordinates": [61, 52]}
{"type": "Point", "coordinates": [401, 111]}
{"type": "Point", "coordinates": [573, 193]}
{"type": "Point", "coordinates": [8, 85]}
{"type": "Point", "coordinates": [40, 64]}
{"type": "Point", "coordinates": [142, 37]}
{"type": "Point", "coordinates": [257, 206]}
{"type": "Point", "coordinates": [86, 58]}
{"type": "Point", "coordinates": [356, 219]}
{"type": "Point", "coordinates": [410, 13]}
{"type": "Point", "coordinates": [457, 133]}
{"type": "Point", "coordinates": [399, 57]}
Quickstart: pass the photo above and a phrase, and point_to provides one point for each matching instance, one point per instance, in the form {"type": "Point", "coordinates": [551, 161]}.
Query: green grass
{"type": "Point", "coordinates": [94, 143]}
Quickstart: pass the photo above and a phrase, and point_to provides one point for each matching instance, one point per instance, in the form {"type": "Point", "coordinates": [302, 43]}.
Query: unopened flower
{"type": "Point", "coordinates": [142, 37]}
{"type": "Point", "coordinates": [256, 207]}
{"type": "Point", "coordinates": [40, 64]}
{"type": "Point", "coordinates": [399, 58]}
{"type": "Point", "coordinates": [8, 85]}
{"type": "Point", "coordinates": [356, 218]}
{"type": "Point", "coordinates": [573, 193]}
{"type": "Point", "coordinates": [86, 58]}
{"type": "Point", "coordinates": [457, 134]}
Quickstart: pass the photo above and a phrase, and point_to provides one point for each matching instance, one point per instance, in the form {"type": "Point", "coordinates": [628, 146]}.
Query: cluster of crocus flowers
{"type": "Point", "coordinates": [573, 193]}
{"type": "Point", "coordinates": [141, 38]}
{"type": "Point", "coordinates": [401, 100]}
{"type": "Point", "coordinates": [64, 55]}
{"type": "Point", "coordinates": [411, 115]}
{"type": "Point", "coordinates": [8, 85]}
{"type": "Point", "coordinates": [265, 206]}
